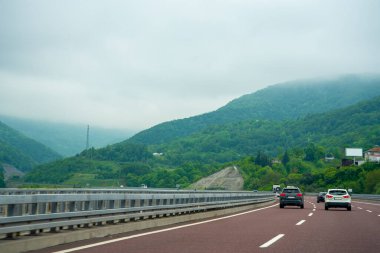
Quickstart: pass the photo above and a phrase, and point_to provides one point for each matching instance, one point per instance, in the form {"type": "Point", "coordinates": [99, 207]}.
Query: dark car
{"type": "Point", "coordinates": [291, 196]}
{"type": "Point", "coordinates": [321, 197]}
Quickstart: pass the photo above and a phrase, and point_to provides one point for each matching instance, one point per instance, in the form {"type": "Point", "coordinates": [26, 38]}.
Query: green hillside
{"type": "Point", "coordinates": [278, 102]}
{"type": "Point", "coordinates": [354, 126]}
{"type": "Point", "coordinates": [22, 152]}
{"type": "Point", "coordinates": [252, 145]}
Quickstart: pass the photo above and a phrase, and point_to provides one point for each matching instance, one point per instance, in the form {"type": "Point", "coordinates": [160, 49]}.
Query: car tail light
{"type": "Point", "coordinates": [346, 196]}
{"type": "Point", "coordinates": [329, 196]}
{"type": "Point", "coordinates": [299, 194]}
{"type": "Point", "coordinates": [282, 195]}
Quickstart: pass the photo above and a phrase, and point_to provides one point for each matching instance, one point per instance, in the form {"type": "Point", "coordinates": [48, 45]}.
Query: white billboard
{"type": "Point", "coordinates": [358, 152]}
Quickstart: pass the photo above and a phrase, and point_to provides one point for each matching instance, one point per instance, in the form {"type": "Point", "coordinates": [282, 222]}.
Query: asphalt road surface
{"type": "Point", "coordinates": [268, 229]}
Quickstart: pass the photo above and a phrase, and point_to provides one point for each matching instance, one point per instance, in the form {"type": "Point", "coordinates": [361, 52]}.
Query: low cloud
{"type": "Point", "coordinates": [134, 64]}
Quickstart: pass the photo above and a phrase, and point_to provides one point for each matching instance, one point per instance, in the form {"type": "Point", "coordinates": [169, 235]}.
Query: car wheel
{"type": "Point", "coordinates": [349, 208]}
{"type": "Point", "coordinates": [326, 208]}
{"type": "Point", "coordinates": [281, 206]}
{"type": "Point", "coordinates": [302, 206]}
{"type": "Point", "coordinates": [317, 201]}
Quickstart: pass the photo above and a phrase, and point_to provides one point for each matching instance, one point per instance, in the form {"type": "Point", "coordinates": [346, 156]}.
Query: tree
{"type": "Point", "coordinates": [372, 180]}
{"type": "Point", "coordinates": [285, 158]}
{"type": "Point", "coordinates": [313, 153]}
{"type": "Point", "coordinates": [262, 159]}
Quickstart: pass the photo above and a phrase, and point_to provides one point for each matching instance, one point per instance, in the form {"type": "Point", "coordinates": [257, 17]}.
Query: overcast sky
{"type": "Point", "coordinates": [133, 64]}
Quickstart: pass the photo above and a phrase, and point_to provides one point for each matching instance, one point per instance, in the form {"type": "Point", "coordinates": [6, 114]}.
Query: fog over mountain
{"type": "Point", "coordinates": [135, 64]}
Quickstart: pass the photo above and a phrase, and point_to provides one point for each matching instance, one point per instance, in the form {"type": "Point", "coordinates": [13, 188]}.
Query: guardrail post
{"type": "Point", "coordinates": [33, 208]}
{"type": "Point", "coordinates": [86, 206]}
{"type": "Point", "coordinates": [41, 208]}
{"type": "Point", "coordinates": [100, 204]}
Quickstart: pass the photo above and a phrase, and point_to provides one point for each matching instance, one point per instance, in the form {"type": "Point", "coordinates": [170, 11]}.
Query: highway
{"type": "Point", "coordinates": [267, 229]}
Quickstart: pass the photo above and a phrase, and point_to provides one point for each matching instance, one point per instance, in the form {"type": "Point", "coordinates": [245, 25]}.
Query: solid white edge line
{"type": "Point", "coordinates": [300, 222]}
{"type": "Point", "coordinates": [159, 231]}
{"type": "Point", "coordinates": [271, 241]}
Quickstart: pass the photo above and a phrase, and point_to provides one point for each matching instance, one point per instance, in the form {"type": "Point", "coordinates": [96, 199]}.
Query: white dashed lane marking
{"type": "Point", "coordinates": [271, 241]}
{"type": "Point", "coordinates": [300, 222]}
{"type": "Point", "coordinates": [369, 211]}
{"type": "Point", "coordinates": [310, 214]}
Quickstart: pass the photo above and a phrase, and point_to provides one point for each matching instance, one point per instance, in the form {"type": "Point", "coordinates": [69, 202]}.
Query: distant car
{"type": "Point", "coordinates": [321, 197]}
{"type": "Point", "coordinates": [337, 198]}
{"type": "Point", "coordinates": [291, 196]}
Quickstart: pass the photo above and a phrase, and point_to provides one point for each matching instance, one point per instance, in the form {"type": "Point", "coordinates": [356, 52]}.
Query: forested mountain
{"type": "Point", "coordinates": [22, 152]}
{"type": "Point", "coordinates": [278, 102]}
{"type": "Point", "coordinates": [66, 139]}
{"type": "Point", "coordinates": [354, 126]}
{"type": "Point", "coordinates": [251, 145]}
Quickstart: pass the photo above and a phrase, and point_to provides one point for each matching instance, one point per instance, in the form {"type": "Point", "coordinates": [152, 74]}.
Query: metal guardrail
{"type": "Point", "coordinates": [366, 196]}
{"type": "Point", "coordinates": [47, 210]}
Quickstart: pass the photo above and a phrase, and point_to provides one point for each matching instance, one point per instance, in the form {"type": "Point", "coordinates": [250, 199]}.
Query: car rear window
{"type": "Point", "coordinates": [338, 192]}
{"type": "Point", "coordinates": [291, 191]}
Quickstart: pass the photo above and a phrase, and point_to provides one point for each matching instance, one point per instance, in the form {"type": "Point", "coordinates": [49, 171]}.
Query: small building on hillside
{"type": "Point", "coordinates": [372, 155]}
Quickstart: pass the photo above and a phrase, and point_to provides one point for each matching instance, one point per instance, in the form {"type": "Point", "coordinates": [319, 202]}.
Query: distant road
{"type": "Point", "coordinates": [268, 229]}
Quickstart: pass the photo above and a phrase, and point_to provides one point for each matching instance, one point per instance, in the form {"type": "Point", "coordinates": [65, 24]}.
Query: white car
{"type": "Point", "coordinates": [337, 198]}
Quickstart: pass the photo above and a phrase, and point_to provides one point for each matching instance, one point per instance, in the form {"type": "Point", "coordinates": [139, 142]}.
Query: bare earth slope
{"type": "Point", "coordinates": [226, 179]}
